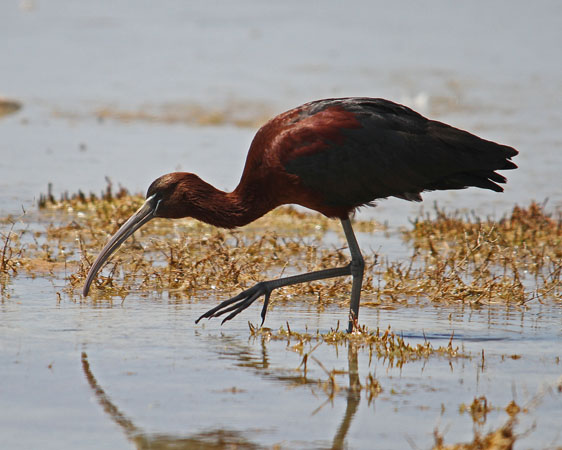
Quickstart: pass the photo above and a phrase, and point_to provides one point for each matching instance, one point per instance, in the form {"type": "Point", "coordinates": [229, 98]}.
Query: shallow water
{"type": "Point", "coordinates": [168, 379]}
{"type": "Point", "coordinates": [140, 373]}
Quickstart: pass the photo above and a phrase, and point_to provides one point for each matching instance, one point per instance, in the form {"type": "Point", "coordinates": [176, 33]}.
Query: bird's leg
{"type": "Point", "coordinates": [357, 267]}
{"type": "Point", "coordinates": [246, 298]}
{"type": "Point", "coordinates": [239, 303]}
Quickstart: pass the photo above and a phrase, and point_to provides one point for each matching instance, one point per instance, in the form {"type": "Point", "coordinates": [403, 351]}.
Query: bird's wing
{"type": "Point", "coordinates": [384, 149]}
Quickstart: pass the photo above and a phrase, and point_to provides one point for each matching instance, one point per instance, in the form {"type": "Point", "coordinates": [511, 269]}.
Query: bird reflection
{"type": "Point", "coordinates": [213, 439]}
{"type": "Point", "coordinates": [353, 398]}
{"type": "Point", "coordinates": [221, 438]}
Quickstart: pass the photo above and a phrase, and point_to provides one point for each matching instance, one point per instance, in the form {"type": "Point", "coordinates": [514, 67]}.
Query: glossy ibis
{"type": "Point", "coordinates": [331, 156]}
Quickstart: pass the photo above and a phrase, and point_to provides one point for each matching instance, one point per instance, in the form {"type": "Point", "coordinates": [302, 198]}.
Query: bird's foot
{"type": "Point", "coordinates": [240, 302]}
{"type": "Point", "coordinates": [353, 325]}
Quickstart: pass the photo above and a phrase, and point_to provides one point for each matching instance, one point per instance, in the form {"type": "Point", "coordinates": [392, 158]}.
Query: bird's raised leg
{"type": "Point", "coordinates": [246, 298]}
{"type": "Point", "coordinates": [239, 303]}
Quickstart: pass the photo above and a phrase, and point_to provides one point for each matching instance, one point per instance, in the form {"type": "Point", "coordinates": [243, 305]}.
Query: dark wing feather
{"type": "Point", "coordinates": [394, 152]}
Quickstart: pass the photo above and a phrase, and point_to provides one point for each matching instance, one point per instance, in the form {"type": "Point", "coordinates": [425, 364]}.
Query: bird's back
{"type": "Point", "coordinates": [337, 154]}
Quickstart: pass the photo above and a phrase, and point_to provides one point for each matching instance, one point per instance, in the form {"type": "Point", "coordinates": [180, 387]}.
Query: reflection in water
{"type": "Point", "coordinates": [353, 398]}
{"type": "Point", "coordinates": [213, 439]}
{"type": "Point", "coordinates": [220, 438]}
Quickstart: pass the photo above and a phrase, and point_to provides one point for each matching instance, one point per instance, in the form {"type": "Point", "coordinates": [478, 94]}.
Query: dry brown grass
{"type": "Point", "coordinates": [385, 345]}
{"type": "Point", "coordinates": [515, 259]}
{"type": "Point", "coordinates": [502, 438]}
{"type": "Point", "coordinates": [454, 259]}
{"type": "Point", "coordinates": [234, 112]}
{"type": "Point", "coordinates": [8, 106]}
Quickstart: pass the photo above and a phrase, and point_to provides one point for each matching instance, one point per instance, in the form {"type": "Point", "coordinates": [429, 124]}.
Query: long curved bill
{"type": "Point", "coordinates": [144, 214]}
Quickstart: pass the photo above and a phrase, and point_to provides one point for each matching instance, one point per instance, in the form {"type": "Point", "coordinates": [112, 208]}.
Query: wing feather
{"type": "Point", "coordinates": [392, 151]}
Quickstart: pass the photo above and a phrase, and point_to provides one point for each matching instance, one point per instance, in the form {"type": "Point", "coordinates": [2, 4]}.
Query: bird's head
{"type": "Point", "coordinates": [176, 195]}
{"type": "Point", "coordinates": [168, 197]}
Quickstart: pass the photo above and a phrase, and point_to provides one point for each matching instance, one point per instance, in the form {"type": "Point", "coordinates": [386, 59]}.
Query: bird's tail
{"type": "Point", "coordinates": [479, 159]}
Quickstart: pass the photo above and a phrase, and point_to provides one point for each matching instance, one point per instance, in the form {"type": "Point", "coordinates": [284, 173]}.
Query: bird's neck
{"type": "Point", "coordinates": [226, 209]}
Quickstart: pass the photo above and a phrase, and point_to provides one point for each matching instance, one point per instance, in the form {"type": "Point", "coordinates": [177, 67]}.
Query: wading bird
{"type": "Point", "coordinates": [331, 156]}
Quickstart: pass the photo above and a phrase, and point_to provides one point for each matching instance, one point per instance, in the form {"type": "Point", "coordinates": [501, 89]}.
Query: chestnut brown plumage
{"type": "Point", "coordinates": [331, 156]}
